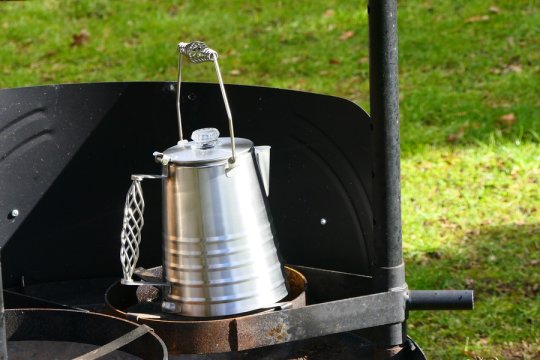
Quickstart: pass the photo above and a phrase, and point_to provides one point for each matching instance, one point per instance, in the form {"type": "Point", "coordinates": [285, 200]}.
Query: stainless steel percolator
{"type": "Point", "coordinates": [219, 253]}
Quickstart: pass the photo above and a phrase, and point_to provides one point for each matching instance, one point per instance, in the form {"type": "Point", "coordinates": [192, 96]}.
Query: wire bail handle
{"type": "Point", "coordinates": [198, 52]}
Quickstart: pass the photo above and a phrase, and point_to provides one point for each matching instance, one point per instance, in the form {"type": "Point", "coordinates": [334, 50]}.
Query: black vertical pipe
{"type": "Point", "coordinates": [388, 269]}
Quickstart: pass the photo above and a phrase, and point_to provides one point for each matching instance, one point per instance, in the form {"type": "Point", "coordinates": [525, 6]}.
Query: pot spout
{"type": "Point", "coordinates": [263, 161]}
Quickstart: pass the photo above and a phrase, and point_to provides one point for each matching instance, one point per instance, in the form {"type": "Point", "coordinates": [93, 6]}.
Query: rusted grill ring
{"type": "Point", "coordinates": [196, 336]}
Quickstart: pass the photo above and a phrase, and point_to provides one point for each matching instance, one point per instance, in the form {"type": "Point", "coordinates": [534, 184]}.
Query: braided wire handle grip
{"type": "Point", "coordinates": [198, 52]}
{"type": "Point", "coordinates": [131, 229]}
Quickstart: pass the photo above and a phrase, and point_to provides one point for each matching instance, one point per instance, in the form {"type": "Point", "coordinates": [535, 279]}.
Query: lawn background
{"type": "Point", "coordinates": [470, 120]}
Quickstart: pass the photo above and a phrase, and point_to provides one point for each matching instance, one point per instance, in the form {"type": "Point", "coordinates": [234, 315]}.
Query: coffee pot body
{"type": "Point", "coordinates": [219, 249]}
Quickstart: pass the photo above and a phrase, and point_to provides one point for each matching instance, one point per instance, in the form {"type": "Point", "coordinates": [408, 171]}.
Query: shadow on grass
{"type": "Point", "coordinates": [502, 265]}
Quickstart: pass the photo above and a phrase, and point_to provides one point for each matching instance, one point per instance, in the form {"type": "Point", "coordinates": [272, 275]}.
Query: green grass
{"type": "Point", "coordinates": [471, 220]}
{"type": "Point", "coordinates": [471, 198]}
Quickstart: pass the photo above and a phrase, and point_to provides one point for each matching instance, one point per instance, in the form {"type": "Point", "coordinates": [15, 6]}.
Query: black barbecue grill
{"type": "Point", "coordinates": [67, 152]}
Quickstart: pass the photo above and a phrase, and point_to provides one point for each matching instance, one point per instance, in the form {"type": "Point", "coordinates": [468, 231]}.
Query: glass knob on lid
{"type": "Point", "coordinates": [205, 138]}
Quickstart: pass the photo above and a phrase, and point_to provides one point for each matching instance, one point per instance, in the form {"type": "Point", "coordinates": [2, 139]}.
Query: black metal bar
{"type": "Point", "coordinates": [440, 300]}
{"type": "Point", "coordinates": [385, 116]}
{"type": "Point", "coordinates": [320, 319]}
{"type": "Point", "coordinates": [388, 271]}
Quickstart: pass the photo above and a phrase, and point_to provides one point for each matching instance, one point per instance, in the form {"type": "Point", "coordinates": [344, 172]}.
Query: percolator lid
{"type": "Point", "coordinates": [206, 148]}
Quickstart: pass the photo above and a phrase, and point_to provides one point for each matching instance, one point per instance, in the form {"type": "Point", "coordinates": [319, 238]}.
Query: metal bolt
{"type": "Point", "coordinates": [323, 221]}
{"type": "Point", "coordinates": [192, 97]}
{"type": "Point", "coordinates": [14, 213]}
{"type": "Point", "coordinates": [170, 307]}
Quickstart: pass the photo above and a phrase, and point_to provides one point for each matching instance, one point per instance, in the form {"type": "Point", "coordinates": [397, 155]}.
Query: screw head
{"type": "Point", "coordinates": [323, 221]}
{"type": "Point", "coordinates": [14, 213]}
{"type": "Point", "coordinates": [171, 307]}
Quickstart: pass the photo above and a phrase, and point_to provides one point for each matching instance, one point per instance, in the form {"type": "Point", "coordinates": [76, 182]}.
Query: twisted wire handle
{"type": "Point", "coordinates": [131, 229]}
{"type": "Point", "coordinates": [198, 52]}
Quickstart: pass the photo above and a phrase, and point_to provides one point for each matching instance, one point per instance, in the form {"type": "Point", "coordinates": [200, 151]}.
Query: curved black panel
{"type": "Point", "coordinates": [67, 152]}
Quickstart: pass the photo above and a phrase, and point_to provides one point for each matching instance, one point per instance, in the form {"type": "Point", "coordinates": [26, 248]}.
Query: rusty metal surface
{"type": "Point", "coordinates": [344, 346]}
{"type": "Point", "coordinates": [79, 327]}
{"type": "Point", "coordinates": [320, 319]}
{"type": "Point", "coordinates": [185, 335]}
